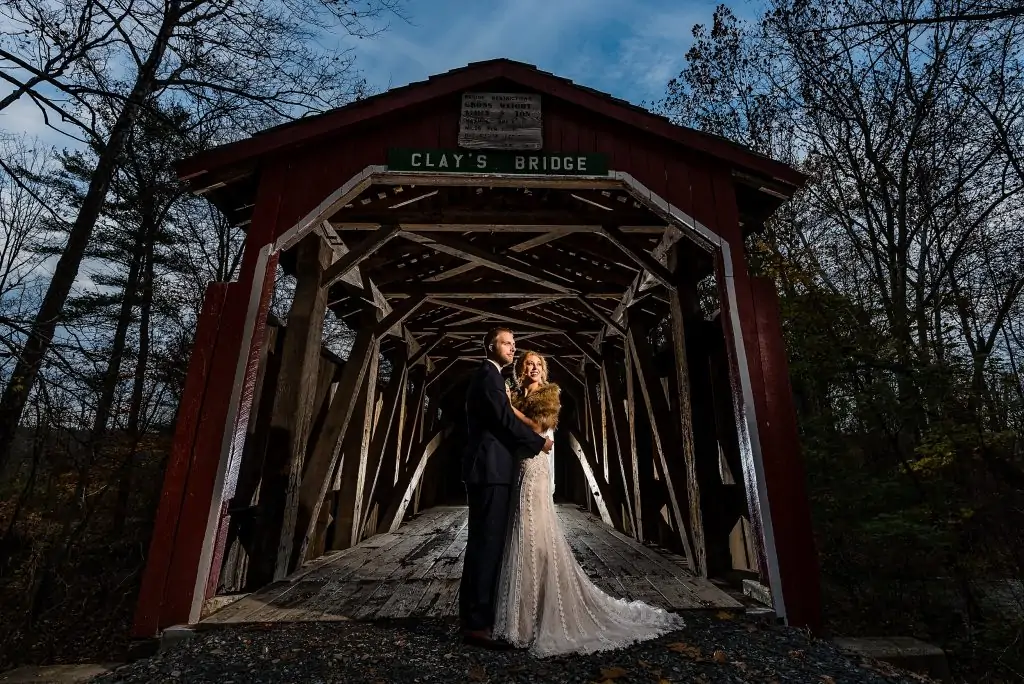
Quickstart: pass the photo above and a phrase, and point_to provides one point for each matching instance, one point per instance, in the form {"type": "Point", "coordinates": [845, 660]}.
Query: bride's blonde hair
{"type": "Point", "coordinates": [521, 367]}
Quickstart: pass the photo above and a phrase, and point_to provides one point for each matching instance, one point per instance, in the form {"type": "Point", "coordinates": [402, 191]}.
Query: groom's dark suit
{"type": "Point", "coordinates": [488, 469]}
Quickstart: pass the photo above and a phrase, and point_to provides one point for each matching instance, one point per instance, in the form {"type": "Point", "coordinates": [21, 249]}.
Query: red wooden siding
{"type": "Point", "coordinates": [295, 181]}
{"type": "Point", "coordinates": [784, 468]}
{"type": "Point", "coordinates": [165, 540]}
{"type": "Point", "coordinates": [672, 171]}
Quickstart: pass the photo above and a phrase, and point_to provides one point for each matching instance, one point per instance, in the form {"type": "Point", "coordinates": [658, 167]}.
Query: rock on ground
{"type": "Point", "coordinates": [709, 649]}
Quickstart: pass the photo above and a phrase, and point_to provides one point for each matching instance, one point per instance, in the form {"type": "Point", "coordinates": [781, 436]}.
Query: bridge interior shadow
{"type": "Point", "coordinates": [415, 573]}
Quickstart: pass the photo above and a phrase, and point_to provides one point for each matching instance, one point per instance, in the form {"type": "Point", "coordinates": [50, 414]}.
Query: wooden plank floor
{"type": "Point", "coordinates": [415, 572]}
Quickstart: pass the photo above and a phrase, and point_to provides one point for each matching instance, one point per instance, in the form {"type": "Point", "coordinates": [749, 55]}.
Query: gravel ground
{"type": "Point", "coordinates": [710, 649]}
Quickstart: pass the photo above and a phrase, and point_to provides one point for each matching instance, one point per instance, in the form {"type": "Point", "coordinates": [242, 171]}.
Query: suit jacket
{"type": "Point", "coordinates": [494, 433]}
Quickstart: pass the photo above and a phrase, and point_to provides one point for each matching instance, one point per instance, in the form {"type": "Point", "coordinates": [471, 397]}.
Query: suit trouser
{"type": "Point", "coordinates": [488, 522]}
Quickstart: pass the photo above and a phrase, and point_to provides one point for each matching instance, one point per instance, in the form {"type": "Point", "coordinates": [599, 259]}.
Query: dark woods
{"type": "Point", "coordinates": [901, 270]}
{"type": "Point", "coordinates": [104, 262]}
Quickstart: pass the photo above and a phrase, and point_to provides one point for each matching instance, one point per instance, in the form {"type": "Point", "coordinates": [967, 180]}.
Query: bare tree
{"type": "Point", "coordinates": [251, 61]}
{"type": "Point", "coordinates": [25, 203]}
{"type": "Point", "coordinates": [884, 14]}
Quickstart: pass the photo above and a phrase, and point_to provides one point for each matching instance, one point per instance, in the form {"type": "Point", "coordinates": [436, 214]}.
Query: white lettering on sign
{"type": "Point", "coordinates": [548, 162]}
{"type": "Point", "coordinates": [493, 162]}
{"type": "Point", "coordinates": [447, 160]}
{"type": "Point", "coordinates": [500, 121]}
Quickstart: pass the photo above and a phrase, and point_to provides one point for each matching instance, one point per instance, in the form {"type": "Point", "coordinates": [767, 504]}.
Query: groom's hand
{"type": "Point", "coordinates": [548, 444]}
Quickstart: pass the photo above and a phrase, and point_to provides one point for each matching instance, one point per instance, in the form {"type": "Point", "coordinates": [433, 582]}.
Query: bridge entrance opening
{"type": "Point", "coordinates": [617, 252]}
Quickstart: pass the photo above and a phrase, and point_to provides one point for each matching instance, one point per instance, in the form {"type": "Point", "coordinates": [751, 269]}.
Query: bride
{"type": "Point", "coordinates": [545, 601]}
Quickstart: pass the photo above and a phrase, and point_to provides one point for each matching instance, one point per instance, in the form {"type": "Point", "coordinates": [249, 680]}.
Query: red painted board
{"type": "Point", "coordinates": [245, 416]}
{"type": "Point", "coordinates": [161, 546]}
{"type": "Point", "coordinates": [784, 471]}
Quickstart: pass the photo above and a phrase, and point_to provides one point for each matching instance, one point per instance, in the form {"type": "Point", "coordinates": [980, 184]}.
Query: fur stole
{"type": "Point", "coordinates": [541, 406]}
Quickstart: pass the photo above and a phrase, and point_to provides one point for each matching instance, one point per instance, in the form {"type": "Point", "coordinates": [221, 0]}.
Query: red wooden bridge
{"type": "Point", "coordinates": [609, 239]}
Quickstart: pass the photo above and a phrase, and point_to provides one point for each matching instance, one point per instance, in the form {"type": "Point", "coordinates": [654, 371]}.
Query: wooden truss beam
{"type": "Point", "coordinates": [494, 216]}
{"type": "Point", "coordinates": [354, 471]}
{"type": "Point", "coordinates": [497, 262]}
{"type": "Point", "coordinates": [461, 228]}
{"type": "Point", "coordinates": [389, 423]}
{"type": "Point", "coordinates": [343, 266]}
{"type": "Point", "coordinates": [518, 248]}
{"type": "Point", "coordinates": [520, 318]}
{"type": "Point", "coordinates": [639, 257]}
{"type": "Point", "coordinates": [296, 391]}
{"type": "Point", "coordinates": [686, 442]}
{"type": "Point", "coordinates": [623, 439]}
{"type": "Point", "coordinates": [324, 456]}
{"type": "Point", "coordinates": [662, 436]}
{"type": "Point", "coordinates": [484, 290]}
{"type": "Point", "coordinates": [391, 518]}
{"type": "Point", "coordinates": [597, 488]}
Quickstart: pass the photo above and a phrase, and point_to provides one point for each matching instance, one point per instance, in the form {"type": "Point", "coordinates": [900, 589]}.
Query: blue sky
{"type": "Point", "coordinates": [629, 48]}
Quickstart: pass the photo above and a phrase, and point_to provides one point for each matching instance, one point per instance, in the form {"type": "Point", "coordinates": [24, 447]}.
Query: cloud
{"type": "Point", "coordinates": [23, 116]}
{"type": "Point", "coordinates": [628, 48]}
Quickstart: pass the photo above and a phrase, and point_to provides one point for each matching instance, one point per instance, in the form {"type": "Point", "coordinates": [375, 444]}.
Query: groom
{"type": "Point", "coordinates": [489, 470]}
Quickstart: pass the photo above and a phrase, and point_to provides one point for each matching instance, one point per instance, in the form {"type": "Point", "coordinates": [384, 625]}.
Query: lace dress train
{"type": "Point", "coordinates": [545, 601]}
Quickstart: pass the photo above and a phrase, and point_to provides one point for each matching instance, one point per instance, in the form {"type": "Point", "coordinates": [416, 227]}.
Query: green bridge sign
{"type": "Point", "coordinates": [476, 161]}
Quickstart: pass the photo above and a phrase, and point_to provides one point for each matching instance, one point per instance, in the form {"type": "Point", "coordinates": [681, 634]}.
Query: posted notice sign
{"type": "Point", "coordinates": [468, 161]}
{"type": "Point", "coordinates": [500, 121]}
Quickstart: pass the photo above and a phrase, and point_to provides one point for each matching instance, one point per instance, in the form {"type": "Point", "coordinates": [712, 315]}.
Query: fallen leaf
{"type": "Point", "coordinates": [720, 657]}
{"type": "Point", "coordinates": [477, 673]}
{"type": "Point", "coordinates": [613, 672]}
{"type": "Point", "coordinates": [644, 664]}
{"type": "Point", "coordinates": [827, 680]}
{"type": "Point", "coordinates": [687, 650]}
{"type": "Point", "coordinates": [664, 681]}
{"type": "Point", "coordinates": [723, 615]}
{"type": "Point", "coordinates": [796, 654]}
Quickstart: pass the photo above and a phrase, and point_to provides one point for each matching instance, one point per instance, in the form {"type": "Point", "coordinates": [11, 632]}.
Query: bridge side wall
{"type": "Point", "coordinates": [294, 183]}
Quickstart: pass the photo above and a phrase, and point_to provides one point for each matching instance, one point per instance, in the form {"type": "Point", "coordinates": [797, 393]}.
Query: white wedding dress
{"type": "Point", "coordinates": [545, 601]}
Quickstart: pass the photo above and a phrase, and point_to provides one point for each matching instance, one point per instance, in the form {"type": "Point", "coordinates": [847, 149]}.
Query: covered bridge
{"type": "Point", "coordinates": [607, 238]}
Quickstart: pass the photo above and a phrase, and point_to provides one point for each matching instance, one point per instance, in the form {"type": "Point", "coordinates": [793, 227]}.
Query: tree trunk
{"type": "Point", "coordinates": [124, 319]}
{"type": "Point", "coordinates": [124, 485]}
{"type": "Point", "coordinates": [22, 380]}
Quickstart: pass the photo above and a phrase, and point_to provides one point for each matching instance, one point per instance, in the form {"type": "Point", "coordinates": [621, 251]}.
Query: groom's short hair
{"type": "Point", "coordinates": [492, 335]}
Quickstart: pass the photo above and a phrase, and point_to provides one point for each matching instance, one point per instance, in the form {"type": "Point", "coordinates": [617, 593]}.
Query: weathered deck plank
{"type": "Point", "coordinates": [415, 572]}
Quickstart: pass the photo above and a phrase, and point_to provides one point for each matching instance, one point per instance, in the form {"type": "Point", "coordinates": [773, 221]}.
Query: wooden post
{"type": "Point", "coordinates": [715, 435]}
{"type": "Point", "coordinates": [317, 477]}
{"type": "Point", "coordinates": [589, 392]}
{"type": "Point", "coordinates": [296, 389]}
{"type": "Point", "coordinates": [350, 449]}
{"type": "Point", "coordinates": [610, 513]}
{"type": "Point", "coordinates": [414, 418]}
{"type": "Point", "coordinates": [646, 486]}
{"type": "Point", "coordinates": [408, 484]}
{"type": "Point", "coordinates": [599, 443]}
{"type": "Point", "coordinates": [391, 400]}
{"type": "Point", "coordinates": [623, 440]}
{"type": "Point", "coordinates": [660, 421]}
{"type": "Point", "coordinates": [685, 416]}
{"type": "Point", "coordinates": [244, 536]}
{"type": "Point", "coordinates": [353, 470]}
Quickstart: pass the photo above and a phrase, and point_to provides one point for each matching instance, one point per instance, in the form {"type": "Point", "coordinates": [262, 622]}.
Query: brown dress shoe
{"type": "Point", "coordinates": [482, 638]}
